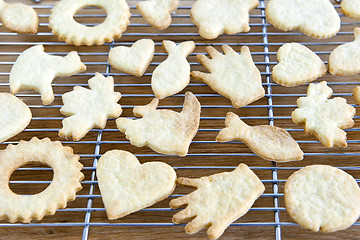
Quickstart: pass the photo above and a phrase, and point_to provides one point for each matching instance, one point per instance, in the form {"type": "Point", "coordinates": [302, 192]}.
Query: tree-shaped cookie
{"type": "Point", "coordinates": [324, 117]}
{"type": "Point", "coordinates": [233, 75]}
{"type": "Point", "coordinates": [165, 131]}
{"type": "Point", "coordinates": [219, 200]}
{"type": "Point", "coordinates": [157, 12]}
{"type": "Point", "coordinates": [173, 74]}
{"type": "Point", "coordinates": [88, 108]}
{"type": "Point", "coordinates": [351, 8]}
{"type": "Point", "coordinates": [35, 69]}
{"type": "Point", "coordinates": [344, 60]}
{"type": "Point", "coordinates": [215, 17]}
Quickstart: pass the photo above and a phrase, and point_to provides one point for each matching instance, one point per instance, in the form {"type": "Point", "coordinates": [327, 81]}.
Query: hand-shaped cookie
{"type": "Point", "coordinates": [324, 117]}
{"type": "Point", "coordinates": [89, 108]}
{"type": "Point", "coordinates": [215, 17]}
{"type": "Point", "coordinates": [164, 131]}
{"type": "Point", "coordinates": [233, 75]}
{"type": "Point", "coordinates": [219, 200]}
{"type": "Point", "coordinates": [35, 69]}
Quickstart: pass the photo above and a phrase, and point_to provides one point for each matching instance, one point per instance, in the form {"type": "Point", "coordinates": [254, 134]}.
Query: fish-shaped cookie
{"type": "Point", "coordinates": [269, 142]}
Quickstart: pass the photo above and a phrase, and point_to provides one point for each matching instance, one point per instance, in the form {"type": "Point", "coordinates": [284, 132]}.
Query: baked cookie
{"type": "Point", "coordinates": [19, 17]}
{"type": "Point", "coordinates": [215, 17]}
{"type": "Point", "coordinates": [133, 60]}
{"type": "Point", "coordinates": [157, 12]}
{"type": "Point", "coordinates": [356, 94]}
{"type": "Point", "coordinates": [344, 60]}
{"type": "Point", "coordinates": [322, 198]}
{"type": "Point", "coordinates": [88, 108]}
{"type": "Point", "coordinates": [173, 74]}
{"type": "Point", "coordinates": [35, 69]}
{"type": "Point", "coordinates": [164, 131]}
{"type": "Point", "coordinates": [315, 18]}
{"type": "Point", "coordinates": [232, 75]}
{"type": "Point", "coordinates": [324, 117]}
{"type": "Point", "coordinates": [297, 65]}
{"type": "Point", "coordinates": [127, 186]}
{"type": "Point", "coordinates": [351, 8]}
{"type": "Point", "coordinates": [219, 200]}
{"type": "Point", "coordinates": [67, 29]}
{"type": "Point", "coordinates": [269, 142]}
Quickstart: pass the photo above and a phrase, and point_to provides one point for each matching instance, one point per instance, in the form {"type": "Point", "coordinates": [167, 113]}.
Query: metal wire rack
{"type": "Point", "coordinates": [85, 217]}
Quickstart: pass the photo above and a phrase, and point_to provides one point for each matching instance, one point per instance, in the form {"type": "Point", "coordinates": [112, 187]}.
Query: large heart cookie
{"type": "Point", "coordinates": [127, 186]}
{"type": "Point", "coordinates": [315, 18]}
{"type": "Point", "coordinates": [135, 59]}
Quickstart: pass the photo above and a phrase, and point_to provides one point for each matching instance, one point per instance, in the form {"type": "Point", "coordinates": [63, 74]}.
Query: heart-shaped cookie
{"type": "Point", "coordinates": [127, 186]}
{"type": "Point", "coordinates": [135, 59]}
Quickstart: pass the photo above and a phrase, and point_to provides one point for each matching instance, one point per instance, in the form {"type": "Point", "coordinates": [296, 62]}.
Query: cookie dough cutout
{"type": "Point", "coordinates": [67, 29]}
{"type": "Point", "coordinates": [15, 116]}
{"type": "Point", "coordinates": [19, 17]}
{"type": "Point", "coordinates": [35, 69]}
{"type": "Point", "coordinates": [164, 131]}
{"type": "Point", "coordinates": [219, 200]}
{"type": "Point", "coordinates": [315, 18]}
{"type": "Point", "coordinates": [344, 59]}
{"type": "Point", "coordinates": [269, 142]}
{"type": "Point", "coordinates": [173, 74]}
{"type": "Point", "coordinates": [351, 8]}
{"type": "Point", "coordinates": [133, 60]}
{"type": "Point", "coordinates": [127, 186]}
{"type": "Point", "coordinates": [215, 17]}
{"type": "Point", "coordinates": [297, 65]}
{"type": "Point", "coordinates": [63, 187]}
{"type": "Point", "coordinates": [232, 75]}
{"type": "Point", "coordinates": [89, 108]}
{"type": "Point", "coordinates": [324, 117]}
{"type": "Point", "coordinates": [322, 198]}
{"type": "Point", "coordinates": [157, 12]}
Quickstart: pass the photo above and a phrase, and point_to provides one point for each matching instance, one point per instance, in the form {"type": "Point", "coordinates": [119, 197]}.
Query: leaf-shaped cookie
{"type": "Point", "coordinates": [157, 12]}
{"type": "Point", "coordinates": [297, 65]}
{"type": "Point", "coordinates": [315, 18]}
{"type": "Point", "coordinates": [344, 60]}
{"type": "Point", "coordinates": [127, 186]}
{"type": "Point", "coordinates": [35, 69]}
{"type": "Point", "coordinates": [324, 117]}
{"type": "Point", "coordinates": [269, 142]}
{"type": "Point", "coordinates": [172, 75]}
{"type": "Point", "coordinates": [89, 108]}
{"type": "Point", "coordinates": [215, 17]}
{"type": "Point", "coordinates": [133, 60]}
{"type": "Point", "coordinates": [219, 200]}
{"type": "Point", "coordinates": [233, 75]}
{"type": "Point", "coordinates": [351, 8]}
{"type": "Point", "coordinates": [164, 131]}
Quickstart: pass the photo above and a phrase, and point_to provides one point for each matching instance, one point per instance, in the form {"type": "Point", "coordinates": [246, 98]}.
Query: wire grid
{"type": "Point", "coordinates": [267, 219]}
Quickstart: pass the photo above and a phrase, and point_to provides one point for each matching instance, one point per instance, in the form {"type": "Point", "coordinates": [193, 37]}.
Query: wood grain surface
{"type": "Point", "coordinates": [206, 156]}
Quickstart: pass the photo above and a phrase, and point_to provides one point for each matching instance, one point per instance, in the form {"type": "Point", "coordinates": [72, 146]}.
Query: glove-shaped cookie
{"type": "Point", "coordinates": [127, 186]}
{"type": "Point", "coordinates": [324, 117]}
{"type": "Point", "coordinates": [297, 65]}
{"type": "Point", "coordinates": [269, 142]}
{"type": "Point", "coordinates": [35, 69]}
{"type": "Point", "coordinates": [219, 200]}
{"type": "Point", "coordinates": [315, 18]}
{"type": "Point", "coordinates": [19, 17]}
{"type": "Point", "coordinates": [157, 12]}
{"type": "Point", "coordinates": [351, 8]}
{"type": "Point", "coordinates": [88, 108]}
{"type": "Point", "coordinates": [133, 60]}
{"type": "Point", "coordinates": [344, 60]}
{"type": "Point", "coordinates": [233, 75]}
{"type": "Point", "coordinates": [215, 17]}
{"type": "Point", "coordinates": [164, 131]}
{"type": "Point", "coordinates": [172, 75]}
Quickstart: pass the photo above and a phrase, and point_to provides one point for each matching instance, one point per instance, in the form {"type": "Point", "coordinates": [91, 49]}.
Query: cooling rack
{"type": "Point", "coordinates": [85, 218]}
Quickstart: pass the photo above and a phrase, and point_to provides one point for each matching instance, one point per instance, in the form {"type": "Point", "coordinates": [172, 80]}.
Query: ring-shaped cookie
{"type": "Point", "coordinates": [63, 187]}
{"type": "Point", "coordinates": [66, 28]}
